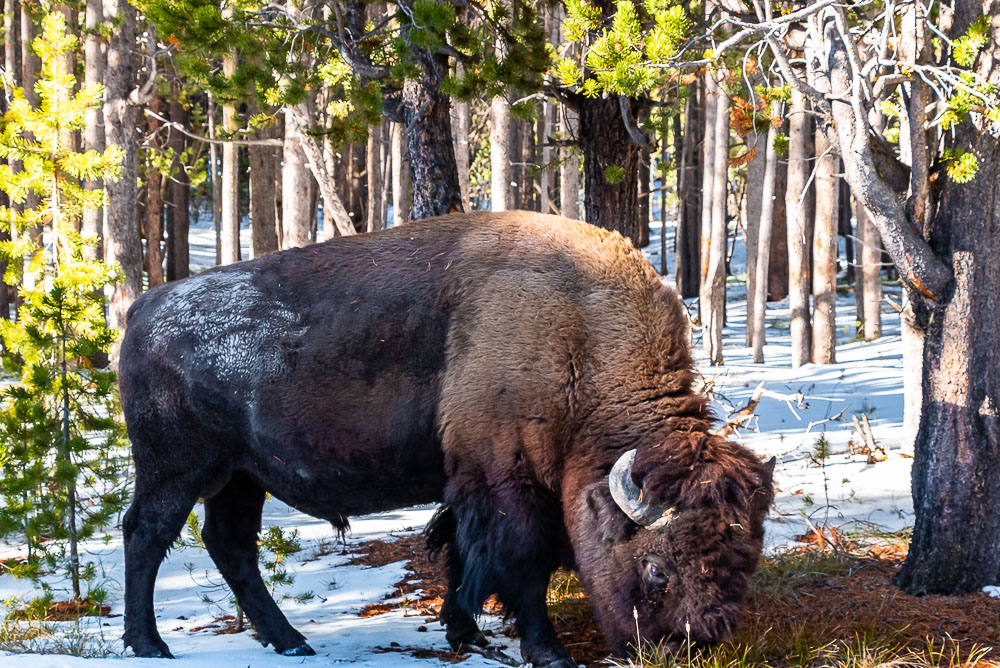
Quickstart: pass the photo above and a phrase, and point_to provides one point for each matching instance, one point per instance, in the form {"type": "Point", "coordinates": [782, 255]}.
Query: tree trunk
{"type": "Point", "coordinates": [714, 289]}
{"type": "Point", "coordinates": [777, 268]}
{"type": "Point", "coordinates": [230, 179]}
{"type": "Point", "coordinates": [121, 236]}
{"type": "Point", "coordinates": [752, 207]}
{"type": "Point", "coordinates": [870, 276]}
{"type": "Point", "coordinates": [956, 466]}
{"type": "Point", "coordinates": [213, 175]}
{"type": "Point", "coordinates": [265, 163]}
{"type": "Point", "coordinates": [402, 189]}
{"type": "Point", "coordinates": [799, 239]}
{"type": "Point", "coordinates": [644, 195]}
{"type": "Point", "coordinates": [93, 130]}
{"type": "Point", "coordinates": [710, 102]}
{"type": "Point", "coordinates": [501, 167]}
{"type": "Point", "coordinates": [687, 266]}
{"type": "Point", "coordinates": [764, 244]}
{"type": "Point", "coordinates": [11, 62]}
{"type": "Point", "coordinates": [154, 201]}
{"type": "Point", "coordinates": [461, 152]}
{"type": "Point", "coordinates": [429, 148]}
{"type": "Point", "coordinates": [608, 151]}
{"type": "Point", "coordinates": [297, 185]}
{"type": "Point", "coordinates": [373, 157]}
{"type": "Point", "coordinates": [569, 170]}
{"type": "Point", "coordinates": [178, 215]}
{"type": "Point", "coordinates": [825, 227]}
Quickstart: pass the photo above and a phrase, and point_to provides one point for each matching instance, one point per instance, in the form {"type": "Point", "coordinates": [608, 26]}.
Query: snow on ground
{"type": "Point", "coordinates": [844, 491]}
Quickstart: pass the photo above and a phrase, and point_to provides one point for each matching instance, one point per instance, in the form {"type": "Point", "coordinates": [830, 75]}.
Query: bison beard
{"type": "Point", "coordinates": [500, 363]}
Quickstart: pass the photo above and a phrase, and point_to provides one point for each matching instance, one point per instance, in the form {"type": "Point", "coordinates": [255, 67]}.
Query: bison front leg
{"type": "Point", "coordinates": [232, 521]}
{"type": "Point", "coordinates": [509, 544]}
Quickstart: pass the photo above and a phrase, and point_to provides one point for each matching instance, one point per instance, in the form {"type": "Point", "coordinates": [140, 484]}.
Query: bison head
{"type": "Point", "coordinates": [666, 544]}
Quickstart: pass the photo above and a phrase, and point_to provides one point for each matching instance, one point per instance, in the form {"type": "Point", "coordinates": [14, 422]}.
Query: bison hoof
{"type": "Point", "coordinates": [301, 650]}
{"type": "Point", "coordinates": [477, 639]}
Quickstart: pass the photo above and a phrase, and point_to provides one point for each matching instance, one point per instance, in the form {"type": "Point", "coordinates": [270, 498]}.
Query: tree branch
{"type": "Point", "coordinates": [208, 140]}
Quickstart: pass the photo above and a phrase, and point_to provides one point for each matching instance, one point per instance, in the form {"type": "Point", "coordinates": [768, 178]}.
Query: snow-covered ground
{"type": "Point", "coordinates": [866, 379]}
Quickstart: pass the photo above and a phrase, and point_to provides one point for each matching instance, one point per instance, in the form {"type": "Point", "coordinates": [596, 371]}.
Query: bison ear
{"type": "Point", "coordinates": [608, 520]}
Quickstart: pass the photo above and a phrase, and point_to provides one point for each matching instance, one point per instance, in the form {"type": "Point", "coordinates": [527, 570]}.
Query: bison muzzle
{"type": "Point", "coordinates": [528, 371]}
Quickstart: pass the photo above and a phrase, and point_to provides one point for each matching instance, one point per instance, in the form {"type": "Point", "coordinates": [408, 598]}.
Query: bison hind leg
{"type": "Point", "coordinates": [461, 629]}
{"type": "Point", "coordinates": [232, 522]}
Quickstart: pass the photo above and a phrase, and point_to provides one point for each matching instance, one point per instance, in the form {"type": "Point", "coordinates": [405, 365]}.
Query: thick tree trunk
{"type": "Point", "coordinates": [525, 190]}
{"type": "Point", "coordinates": [752, 208]}
{"type": "Point", "coordinates": [402, 189]}
{"type": "Point", "coordinates": [799, 239]}
{"type": "Point", "coordinates": [429, 147]}
{"type": "Point", "coordinates": [762, 266]}
{"type": "Point", "coordinates": [178, 215]}
{"type": "Point", "coordinates": [608, 148]}
{"type": "Point", "coordinates": [825, 227]}
{"type": "Point", "coordinates": [714, 289]}
{"type": "Point", "coordinates": [462, 156]}
{"type": "Point", "coordinates": [687, 266]}
{"type": "Point", "coordinates": [297, 185]}
{"type": "Point", "coordinates": [93, 130]}
{"type": "Point", "coordinates": [956, 466]}
{"type": "Point", "coordinates": [121, 235]}
{"type": "Point", "coordinates": [265, 163]}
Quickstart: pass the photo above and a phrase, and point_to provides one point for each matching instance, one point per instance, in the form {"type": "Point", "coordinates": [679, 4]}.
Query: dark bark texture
{"type": "Point", "coordinates": [178, 216]}
{"type": "Point", "coordinates": [606, 144]}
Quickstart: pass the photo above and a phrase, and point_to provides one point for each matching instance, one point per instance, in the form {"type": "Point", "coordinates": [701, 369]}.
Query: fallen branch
{"type": "Point", "coordinates": [738, 419]}
{"type": "Point", "coordinates": [870, 448]}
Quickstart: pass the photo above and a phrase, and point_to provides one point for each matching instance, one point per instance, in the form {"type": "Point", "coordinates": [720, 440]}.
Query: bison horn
{"type": "Point", "coordinates": [628, 496]}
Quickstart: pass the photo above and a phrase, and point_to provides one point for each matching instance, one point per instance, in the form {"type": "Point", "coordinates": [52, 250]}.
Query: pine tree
{"type": "Point", "coordinates": [62, 477]}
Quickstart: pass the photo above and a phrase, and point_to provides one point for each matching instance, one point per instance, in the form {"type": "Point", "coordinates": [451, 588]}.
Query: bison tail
{"type": "Point", "coordinates": [440, 531]}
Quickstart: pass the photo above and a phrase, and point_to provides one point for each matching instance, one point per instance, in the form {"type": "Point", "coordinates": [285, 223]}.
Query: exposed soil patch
{"type": "Point", "coordinates": [424, 653]}
{"type": "Point", "coordinates": [63, 611]}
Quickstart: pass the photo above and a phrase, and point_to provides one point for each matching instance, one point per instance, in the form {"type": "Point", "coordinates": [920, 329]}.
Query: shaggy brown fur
{"type": "Point", "coordinates": [498, 362]}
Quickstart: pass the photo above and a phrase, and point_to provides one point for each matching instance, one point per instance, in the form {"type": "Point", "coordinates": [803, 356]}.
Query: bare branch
{"type": "Point", "coordinates": [184, 131]}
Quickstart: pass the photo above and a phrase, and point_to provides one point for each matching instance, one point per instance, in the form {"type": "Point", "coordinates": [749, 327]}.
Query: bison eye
{"type": "Point", "coordinates": [654, 571]}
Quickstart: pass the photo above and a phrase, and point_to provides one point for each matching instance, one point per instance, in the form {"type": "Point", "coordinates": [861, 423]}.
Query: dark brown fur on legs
{"type": "Point", "coordinates": [500, 363]}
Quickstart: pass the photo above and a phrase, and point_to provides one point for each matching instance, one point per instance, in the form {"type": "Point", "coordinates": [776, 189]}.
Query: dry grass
{"type": "Point", "coordinates": [825, 603]}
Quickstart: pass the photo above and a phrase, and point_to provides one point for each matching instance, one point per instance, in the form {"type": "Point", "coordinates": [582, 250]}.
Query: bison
{"type": "Point", "coordinates": [529, 372]}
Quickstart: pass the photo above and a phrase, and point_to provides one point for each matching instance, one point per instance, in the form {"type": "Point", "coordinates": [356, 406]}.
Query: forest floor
{"type": "Point", "coordinates": [835, 536]}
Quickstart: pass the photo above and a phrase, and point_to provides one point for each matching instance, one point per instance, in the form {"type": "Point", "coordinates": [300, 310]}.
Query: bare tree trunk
{"type": "Point", "coordinates": [265, 162]}
{"type": "Point", "coordinates": [154, 203]}
{"type": "Point", "coordinates": [12, 65]}
{"type": "Point", "coordinates": [545, 175]}
{"type": "Point", "coordinates": [569, 171]}
{"type": "Point", "coordinates": [686, 242]}
{"type": "Point", "coordinates": [644, 194]}
{"type": "Point", "coordinates": [297, 186]}
{"type": "Point", "coordinates": [754, 195]}
{"type": "Point", "coordinates": [870, 276]}
{"type": "Point", "coordinates": [711, 103]}
{"type": "Point", "coordinates": [715, 279]}
{"type": "Point", "coordinates": [525, 189]}
{"type": "Point", "coordinates": [777, 271]}
{"type": "Point", "coordinates": [799, 239]}
{"type": "Point", "coordinates": [230, 179]}
{"type": "Point", "coordinates": [376, 214]}
{"type": "Point", "coordinates": [461, 151]}
{"type": "Point", "coordinates": [121, 236]}
{"type": "Point", "coordinates": [213, 175]}
{"type": "Point", "coordinates": [825, 255]}
{"type": "Point", "coordinates": [764, 243]}
{"type": "Point", "coordinates": [501, 169]}
{"type": "Point", "coordinates": [93, 130]}
{"type": "Point", "coordinates": [178, 255]}
{"type": "Point", "coordinates": [402, 189]}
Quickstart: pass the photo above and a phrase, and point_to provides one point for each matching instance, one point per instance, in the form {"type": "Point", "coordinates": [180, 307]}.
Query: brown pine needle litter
{"type": "Point", "coordinates": [823, 603]}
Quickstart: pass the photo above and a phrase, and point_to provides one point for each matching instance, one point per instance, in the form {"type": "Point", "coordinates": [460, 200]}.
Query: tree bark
{"type": "Point", "coordinates": [154, 203]}
{"type": "Point", "coordinates": [462, 156]}
{"type": "Point", "coordinates": [687, 266]}
{"type": "Point", "coordinates": [213, 175]}
{"type": "Point", "coordinates": [178, 215]}
{"type": "Point", "coordinates": [12, 65]}
{"type": "Point", "coordinates": [230, 178]}
{"type": "Point", "coordinates": [752, 207]}
{"type": "Point", "coordinates": [644, 195]}
{"type": "Point", "coordinates": [569, 170]}
{"type": "Point", "coordinates": [764, 244]}
{"type": "Point", "coordinates": [93, 130]}
{"type": "Point", "coordinates": [824, 273]}
{"type": "Point", "coordinates": [501, 167]}
{"type": "Point", "coordinates": [799, 240]}
{"type": "Point", "coordinates": [777, 272]}
{"type": "Point", "coordinates": [121, 116]}
{"type": "Point", "coordinates": [710, 102]}
{"type": "Point", "coordinates": [297, 186]}
{"type": "Point", "coordinates": [714, 289]}
{"type": "Point", "coordinates": [606, 146]}
{"type": "Point", "coordinates": [265, 163]}
{"type": "Point", "coordinates": [376, 212]}
{"type": "Point", "coordinates": [402, 189]}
